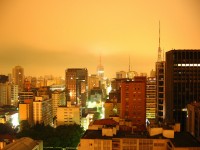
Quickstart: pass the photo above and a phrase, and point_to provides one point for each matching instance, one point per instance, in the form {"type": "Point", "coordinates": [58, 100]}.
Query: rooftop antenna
{"type": "Point", "coordinates": [159, 49]}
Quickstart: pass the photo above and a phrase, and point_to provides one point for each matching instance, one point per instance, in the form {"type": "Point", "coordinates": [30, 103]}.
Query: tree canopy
{"type": "Point", "coordinates": [6, 128]}
{"type": "Point", "coordinates": [62, 136]}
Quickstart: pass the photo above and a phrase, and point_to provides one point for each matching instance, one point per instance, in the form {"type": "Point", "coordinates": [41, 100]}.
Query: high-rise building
{"type": "Point", "coordinates": [14, 95]}
{"type": "Point", "coordinates": [133, 101]}
{"type": "Point", "coordinates": [26, 111]}
{"type": "Point", "coordinates": [76, 83]}
{"type": "Point", "coordinates": [151, 98]}
{"type": "Point", "coordinates": [18, 77]}
{"type": "Point", "coordinates": [5, 96]}
{"type": "Point", "coordinates": [182, 83]}
{"type": "Point", "coordinates": [58, 99]}
{"type": "Point", "coordinates": [160, 90]}
{"type": "Point", "coordinates": [160, 84]}
{"type": "Point", "coordinates": [93, 81]}
{"type": "Point", "coordinates": [42, 110]}
{"type": "Point", "coordinates": [8, 92]}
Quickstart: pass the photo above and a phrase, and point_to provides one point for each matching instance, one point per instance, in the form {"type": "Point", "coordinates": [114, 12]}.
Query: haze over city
{"type": "Point", "coordinates": [46, 37]}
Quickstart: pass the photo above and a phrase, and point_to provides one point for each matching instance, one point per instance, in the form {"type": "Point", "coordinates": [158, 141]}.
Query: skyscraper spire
{"type": "Point", "coordinates": [100, 69]}
{"type": "Point", "coordinates": [159, 49]}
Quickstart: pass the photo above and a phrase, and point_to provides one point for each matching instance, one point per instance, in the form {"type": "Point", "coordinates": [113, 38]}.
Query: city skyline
{"type": "Point", "coordinates": [47, 37]}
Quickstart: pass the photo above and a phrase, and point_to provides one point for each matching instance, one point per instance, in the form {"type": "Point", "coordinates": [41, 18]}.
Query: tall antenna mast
{"type": "Point", "coordinates": [159, 49]}
{"type": "Point", "coordinates": [129, 67]}
{"type": "Point", "coordinates": [159, 33]}
{"type": "Point", "coordinates": [100, 60]}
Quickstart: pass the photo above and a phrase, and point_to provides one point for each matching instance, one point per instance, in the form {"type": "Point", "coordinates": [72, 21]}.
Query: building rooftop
{"type": "Point", "coordinates": [25, 143]}
{"type": "Point", "coordinates": [181, 139]}
{"type": "Point", "coordinates": [97, 134]}
{"type": "Point", "coordinates": [184, 139]}
{"type": "Point", "coordinates": [105, 122]}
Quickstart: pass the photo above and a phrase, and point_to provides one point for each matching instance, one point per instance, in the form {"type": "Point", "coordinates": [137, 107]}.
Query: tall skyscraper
{"type": "Point", "coordinates": [160, 84]}
{"type": "Point", "coordinates": [76, 83]}
{"type": "Point", "coordinates": [100, 70]}
{"type": "Point", "coordinates": [160, 90]}
{"type": "Point", "coordinates": [133, 101]}
{"type": "Point", "coordinates": [18, 77]}
{"type": "Point", "coordinates": [182, 83]}
{"type": "Point", "coordinates": [151, 98]}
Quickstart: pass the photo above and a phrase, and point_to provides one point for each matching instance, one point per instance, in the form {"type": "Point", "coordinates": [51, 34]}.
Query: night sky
{"type": "Point", "coordinates": [46, 37]}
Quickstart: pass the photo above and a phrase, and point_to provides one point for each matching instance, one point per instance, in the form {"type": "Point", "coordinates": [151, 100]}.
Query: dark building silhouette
{"type": "Point", "coordinates": [3, 78]}
{"type": "Point", "coordinates": [160, 90]}
{"type": "Point", "coordinates": [182, 83]}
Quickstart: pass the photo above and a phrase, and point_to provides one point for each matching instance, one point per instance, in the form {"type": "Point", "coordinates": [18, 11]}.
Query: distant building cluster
{"type": "Point", "coordinates": [129, 111]}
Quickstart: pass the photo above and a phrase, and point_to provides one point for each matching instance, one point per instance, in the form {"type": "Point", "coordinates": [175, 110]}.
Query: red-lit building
{"type": "Point", "coordinates": [133, 101]}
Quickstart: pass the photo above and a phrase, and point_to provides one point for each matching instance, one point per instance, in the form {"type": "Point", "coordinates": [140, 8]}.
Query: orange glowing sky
{"type": "Point", "coordinates": [48, 36]}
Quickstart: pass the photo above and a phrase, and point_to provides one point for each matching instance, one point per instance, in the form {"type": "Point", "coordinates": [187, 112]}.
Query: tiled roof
{"type": "Point", "coordinates": [24, 143]}
{"type": "Point", "coordinates": [107, 121]}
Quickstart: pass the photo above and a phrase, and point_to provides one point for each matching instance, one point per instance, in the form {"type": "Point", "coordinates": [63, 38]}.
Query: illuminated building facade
{"type": "Point", "coordinates": [76, 83]}
{"type": "Point", "coordinates": [133, 101]}
{"type": "Point", "coordinates": [182, 83]}
{"type": "Point", "coordinates": [14, 95]}
{"type": "Point", "coordinates": [8, 94]}
{"type": "Point", "coordinates": [18, 77]}
{"type": "Point", "coordinates": [4, 94]}
{"type": "Point", "coordinates": [42, 110]}
{"type": "Point", "coordinates": [26, 111]}
{"type": "Point", "coordinates": [26, 95]}
{"type": "Point", "coordinates": [93, 81]}
{"type": "Point", "coordinates": [112, 108]}
{"type": "Point", "coordinates": [151, 98]}
{"type": "Point", "coordinates": [70, 114]}
{"type": "Point", "coordinates": [58, 99]}
{"type": "Point", "coordinates": [100, 70]}
{"type": "Point", "coordinates": [109, 134]}
{"type": "Point", "coordinates": [4, 90]}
